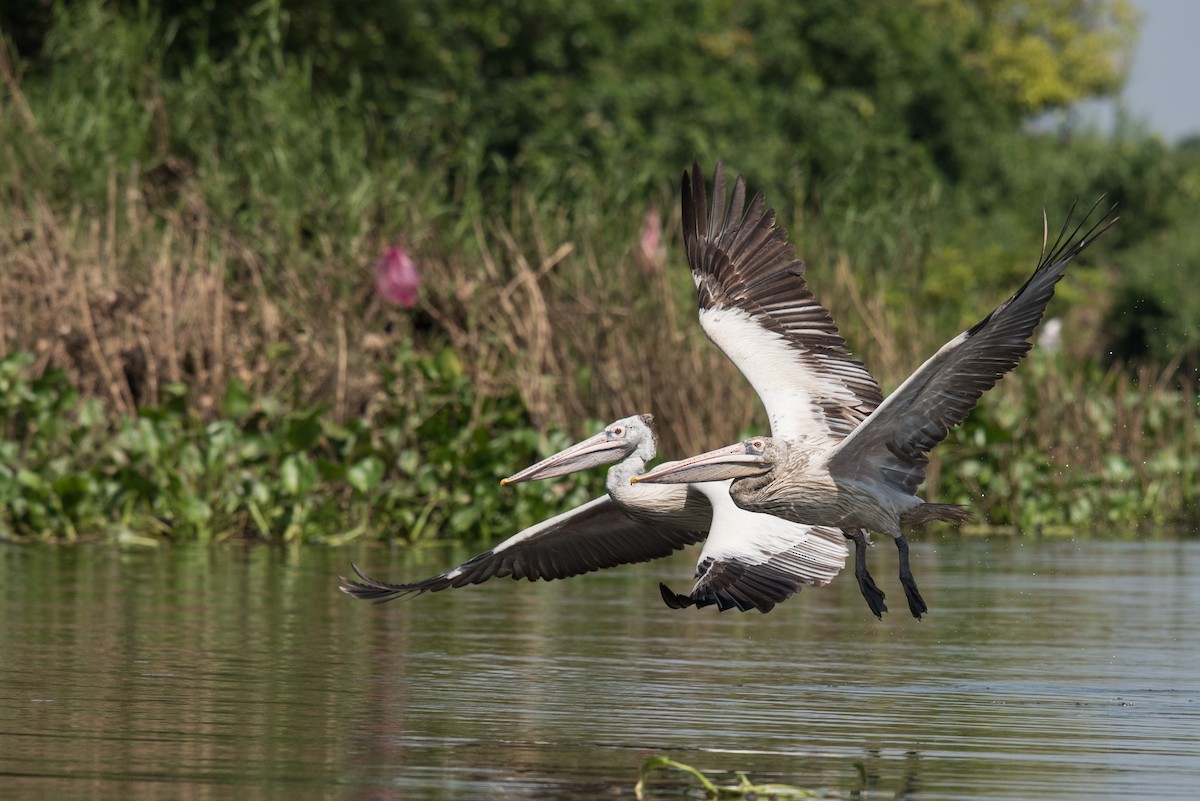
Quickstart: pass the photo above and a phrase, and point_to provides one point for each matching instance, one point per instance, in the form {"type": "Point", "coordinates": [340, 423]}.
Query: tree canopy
{"type": "Point", "coordinates": [1041, 54]}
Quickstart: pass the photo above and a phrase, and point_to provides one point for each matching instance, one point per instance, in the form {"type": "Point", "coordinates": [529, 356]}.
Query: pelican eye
{"type": "Point", "coordinates": [617, 431]}
{"type": "Point", "coordinates": [757, 444]}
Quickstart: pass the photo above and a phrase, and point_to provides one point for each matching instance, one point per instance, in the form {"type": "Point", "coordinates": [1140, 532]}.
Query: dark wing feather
{"type": "Point", "coordinates": [756, 306]}
{"type": "Point", "coordinates": [894, 442]}
{"type": "Point", "coordinates": [734, 583]}
{"type": "Point", "coordinates": [593, 536]}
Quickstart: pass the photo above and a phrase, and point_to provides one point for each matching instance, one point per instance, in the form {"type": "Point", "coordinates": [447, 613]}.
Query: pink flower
{"type": "Point", "coordinates": [650, 251]}
{"type": "Point", "coordinates": [396, 278]}
{"type": "Point", "coordinates": [651, 238]}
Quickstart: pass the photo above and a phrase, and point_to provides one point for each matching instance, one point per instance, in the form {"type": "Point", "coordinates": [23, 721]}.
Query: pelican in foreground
{"type": "Point", "coordinates": [868, 478]}
{"type": "Point", "coordinates": [749, 560]}
{"type": "Point", "coordinates": [756, 307]}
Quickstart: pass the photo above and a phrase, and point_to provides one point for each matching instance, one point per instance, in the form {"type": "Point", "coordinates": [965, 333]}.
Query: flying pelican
{"type": "Point", "coordinates": [749, 560]}
{"type": "Point", "coordinates": [756, 307]}
{"type": "Point", "coordinates": [868, 478]}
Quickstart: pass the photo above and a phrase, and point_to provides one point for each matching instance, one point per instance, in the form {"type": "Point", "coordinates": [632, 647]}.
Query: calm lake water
{"type": "Point", "coordinates": [1046, 670]}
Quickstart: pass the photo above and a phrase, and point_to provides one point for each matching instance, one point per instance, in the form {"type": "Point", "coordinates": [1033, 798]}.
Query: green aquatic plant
{"type": "Point", "coordinates": [743, 789]}
{"type": "Point", "coordinates": [427, 467]}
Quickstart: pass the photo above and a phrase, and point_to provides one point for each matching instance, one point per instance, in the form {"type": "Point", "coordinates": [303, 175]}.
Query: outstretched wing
{"type": "Point", "coordinates": [593, 536]}
{"type": "Point", "coordinates": [762, 562]}
{"type": "Point", "coordinates": [893, 443]}
{"type": "Point", "coordinates": [756, 306]}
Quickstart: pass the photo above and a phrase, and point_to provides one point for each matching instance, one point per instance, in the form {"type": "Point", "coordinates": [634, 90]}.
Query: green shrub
{"type": "Point", "coordinates": [429, 468]}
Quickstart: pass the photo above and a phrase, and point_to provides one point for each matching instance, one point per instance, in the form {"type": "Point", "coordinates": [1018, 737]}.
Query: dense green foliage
{"type": "Point", "coordinates": [1095, 452]}
{"type": "Point", "coordinates": [556, 94]}
{"type": "Point", "coordinates": [428, 467]}
{"type": "Point", "coordinates": [191, 196]}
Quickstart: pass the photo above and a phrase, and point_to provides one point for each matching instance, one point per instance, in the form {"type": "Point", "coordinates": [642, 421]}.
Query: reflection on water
{"type": "Point", "coordinates": [1046, 670]}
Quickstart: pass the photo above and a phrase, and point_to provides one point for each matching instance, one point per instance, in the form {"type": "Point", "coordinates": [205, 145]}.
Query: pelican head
{"type": "Point", "coordinates": [617, 441]}
{"type": "Point", "coordinates": [753, 457]}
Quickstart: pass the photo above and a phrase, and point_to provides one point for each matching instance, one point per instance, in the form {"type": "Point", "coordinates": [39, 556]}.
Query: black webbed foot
{"type": "Point", "coordinates": [916, 604]}
{"type": "Point", "coordinates": [872, 593]}
{"type": "Point", "coordinates": [866, 585]}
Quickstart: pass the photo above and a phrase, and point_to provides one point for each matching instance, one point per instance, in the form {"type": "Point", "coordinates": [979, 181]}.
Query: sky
{"type": "Point", "coordinates": [1163, 90]}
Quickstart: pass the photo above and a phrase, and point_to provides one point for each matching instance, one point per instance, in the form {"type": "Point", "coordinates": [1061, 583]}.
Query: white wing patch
{"type": "Point", "coordinates": [774, 366]}
{"type": "Point", "coordinates": [550, 523]}
{"type": "Point", "coordinates": [814, 555]}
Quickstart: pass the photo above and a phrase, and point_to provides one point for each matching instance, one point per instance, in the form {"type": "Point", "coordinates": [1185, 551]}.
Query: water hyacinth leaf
{"type": "Point", "coordinates": [330, 469]}
{"type": "Point", "coordinates": [259, 494]}
{"type": "Point", "coordinates": [448, 363]}
{"type": "Point", "coordinates": [268, 406]}
{"type": "Point", "coordinates": [174, 398]}
{"type": "Point", "coordinates": [366, 474]}
{"type": "Point", "coordinates": [30, 480]}
{"type": "Point", "coordinates": [339, 431]}
{"type": "Point", "coordinates": [237, 402]}
{"type": "Point", "coordinates": [409, 462]}
{"type": "Point", "coordinates": [297, 474]}
{"type": "Point", "coordinates": [91, 413]}
{"type": "Point", "coordinates": [221, 435]}
{"type": "Point", "coordinates": [196, 511]}
{"type": "Point", "coordinates": [464, 518]}
{"type": "Point", "coordinates": [303, 432]}
{"type": "Point", "coordinates": [72, 488]}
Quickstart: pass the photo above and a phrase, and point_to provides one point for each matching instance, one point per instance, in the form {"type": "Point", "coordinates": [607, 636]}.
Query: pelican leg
{"type": "Point", "coordinates": [916, 604]}
{"type": "Point", "coordinates": [866, 584]}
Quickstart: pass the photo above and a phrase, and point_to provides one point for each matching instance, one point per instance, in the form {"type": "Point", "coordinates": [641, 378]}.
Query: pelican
{"type": "Point", "coordinates": [749, 560]}
{"type": "Point", "coordinates": [814, 473]}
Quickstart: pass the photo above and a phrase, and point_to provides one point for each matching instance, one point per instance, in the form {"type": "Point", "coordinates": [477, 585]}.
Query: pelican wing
{"type": "Point", "coordinates": [892, 445]}
{"type": "Point", "coordinates": [590, 537]}
{"type": "Point", "coordinates": [761, 563]}
{"type": "Point", "coordinates": [756, 306]}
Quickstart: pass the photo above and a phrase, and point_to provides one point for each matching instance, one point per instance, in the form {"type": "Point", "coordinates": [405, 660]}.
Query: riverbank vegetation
{"type": "Point", "coordinates": [194, 199]}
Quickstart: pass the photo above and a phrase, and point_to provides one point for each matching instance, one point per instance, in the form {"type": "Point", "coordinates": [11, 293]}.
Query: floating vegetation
{"type": "Point", "coordinates": [743, 789]}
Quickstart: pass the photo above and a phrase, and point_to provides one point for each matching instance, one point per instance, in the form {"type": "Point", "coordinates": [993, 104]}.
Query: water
{"type": "Point", "coordinates": [1046, 670]}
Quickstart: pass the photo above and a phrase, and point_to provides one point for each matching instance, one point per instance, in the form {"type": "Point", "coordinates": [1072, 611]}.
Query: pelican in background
{"type": "Point", "coordinates": [868, 478]}
{"type": "Point", "coordinates": [598, 534]}
{"type": "Point", "coordinates": [749, 560]}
